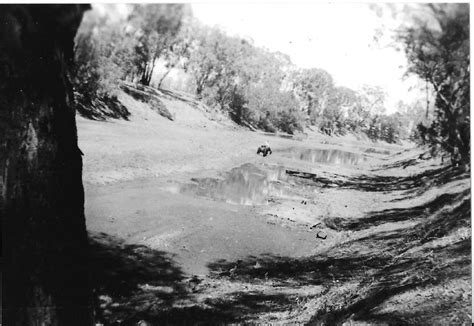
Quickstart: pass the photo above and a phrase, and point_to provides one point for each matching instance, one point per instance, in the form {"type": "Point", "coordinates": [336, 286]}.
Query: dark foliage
{"type": "Point", "coordinates": [440, 55]}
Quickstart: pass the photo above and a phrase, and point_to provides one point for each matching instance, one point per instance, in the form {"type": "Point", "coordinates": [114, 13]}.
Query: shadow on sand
{"type": "Point", "coordinates": [134, 283]}
{"type": "Point", "coordinates": [286, 271]}
{"type": "Point", "coordinates": [428, 267]}
{"type": "Point", "coordinates": [130, 279]}
{"type": "Point", "coordinates": [383, 264]}
{"type": "Point", "coordinates": [395, 215]}
{"type": "Point", "coordinates": [418, 183]}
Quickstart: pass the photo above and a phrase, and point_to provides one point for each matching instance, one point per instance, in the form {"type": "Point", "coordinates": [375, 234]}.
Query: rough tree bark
{"type": "Point", "coordinates": [45, 278]}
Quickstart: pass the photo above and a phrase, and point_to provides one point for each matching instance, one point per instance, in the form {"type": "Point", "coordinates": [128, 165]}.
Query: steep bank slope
{"type": "Point", "coordinates": [150, 145]}
{"type": "Point", "coordinates": [198, 139]}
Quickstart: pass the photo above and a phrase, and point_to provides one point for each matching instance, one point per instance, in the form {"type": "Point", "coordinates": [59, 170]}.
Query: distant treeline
{"type": "Point", "coordinates": [254, 86]}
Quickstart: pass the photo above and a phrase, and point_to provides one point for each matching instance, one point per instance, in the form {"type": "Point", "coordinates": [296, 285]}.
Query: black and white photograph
{"type": "Point", "coordinates": [235, 163]}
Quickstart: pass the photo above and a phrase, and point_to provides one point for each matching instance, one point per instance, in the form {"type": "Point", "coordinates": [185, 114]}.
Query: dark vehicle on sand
{"type": "Point", "coordinates": [265, 150]}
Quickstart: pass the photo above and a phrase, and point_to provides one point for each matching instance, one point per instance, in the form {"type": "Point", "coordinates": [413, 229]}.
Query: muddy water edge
{"type": "Point", "coordinates": [226, 217]}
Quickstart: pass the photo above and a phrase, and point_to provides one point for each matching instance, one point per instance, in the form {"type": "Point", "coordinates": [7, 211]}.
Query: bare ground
{"type": "Point", "coordinates": [189, 226]}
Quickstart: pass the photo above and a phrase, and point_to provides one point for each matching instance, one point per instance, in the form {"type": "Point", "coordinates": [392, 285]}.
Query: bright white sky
{"type": "Point", "coordinates": [337, 37]}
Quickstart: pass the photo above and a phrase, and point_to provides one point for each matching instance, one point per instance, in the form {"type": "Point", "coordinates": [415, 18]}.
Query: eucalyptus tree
{"type": "Point", "coordinates": [437, 48]}
{"type": "Point", "coordinates": [45, 276]}
{"type": "Point", "coordinates": [313, 88]}
{"type": "Point", "coordinates": [156, 26]}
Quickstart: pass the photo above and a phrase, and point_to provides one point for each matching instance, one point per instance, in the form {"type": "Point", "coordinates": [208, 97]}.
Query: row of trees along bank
{"type": "Point", "coordinates": [264, 89]}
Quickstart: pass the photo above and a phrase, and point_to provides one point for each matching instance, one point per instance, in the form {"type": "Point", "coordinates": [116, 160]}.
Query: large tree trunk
{"type": "Point", "coordinates": [45, 278]}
